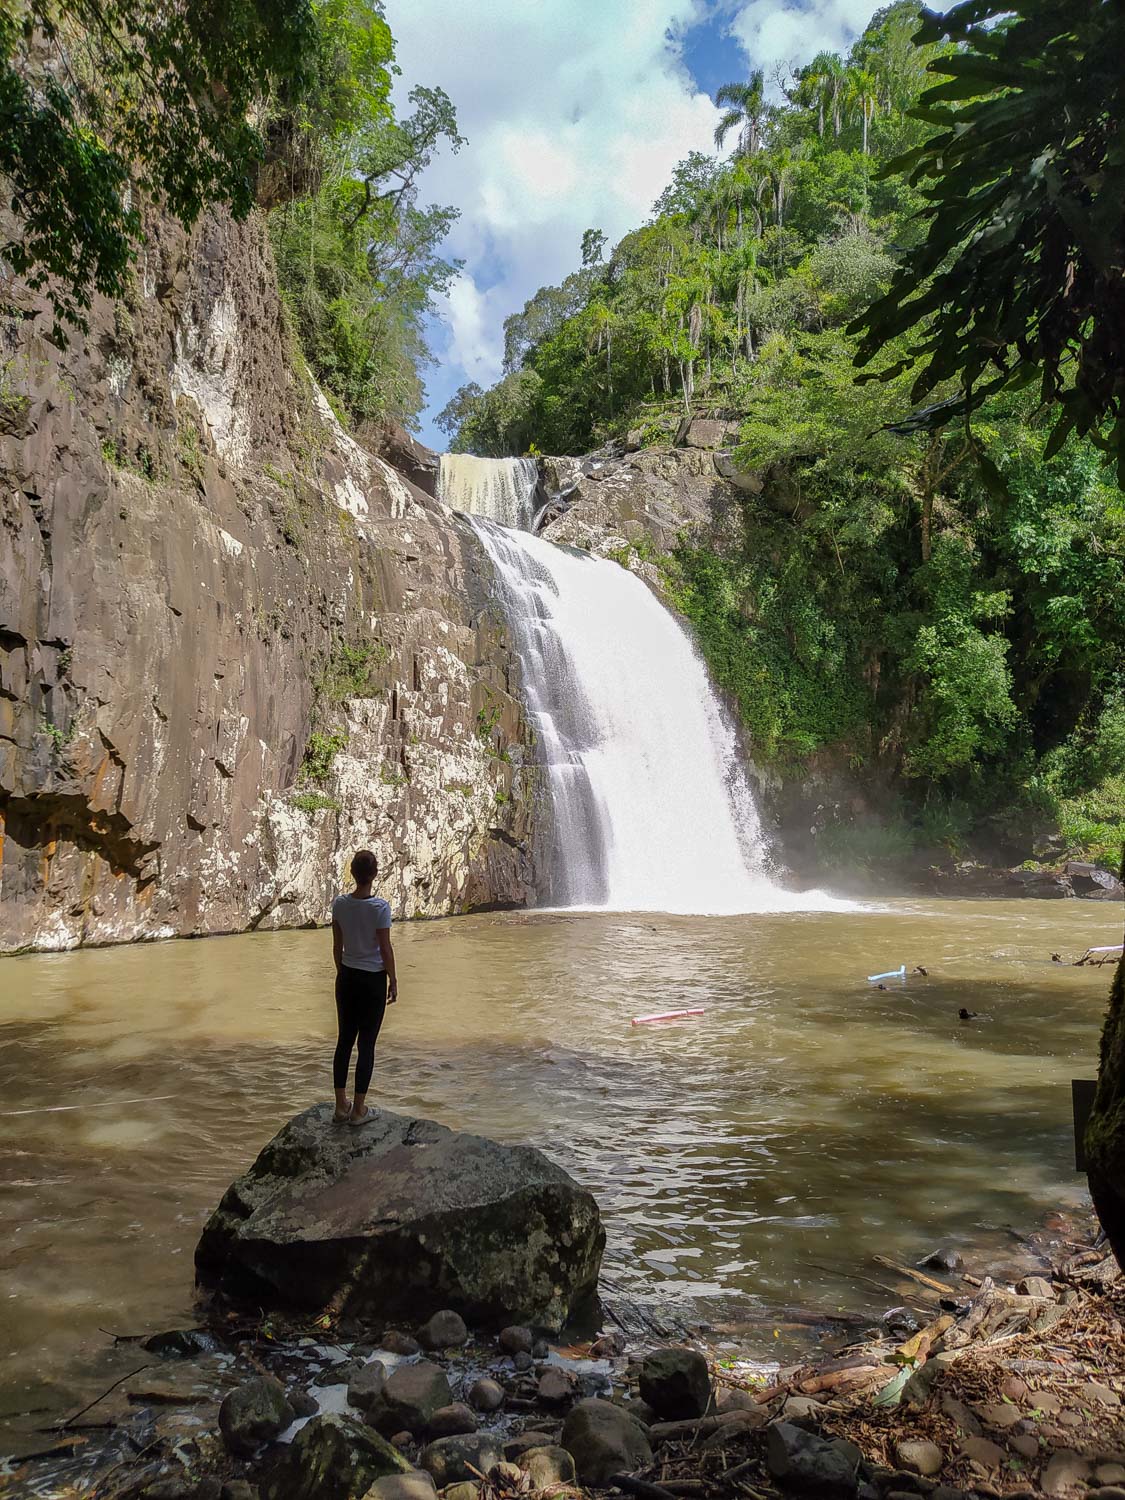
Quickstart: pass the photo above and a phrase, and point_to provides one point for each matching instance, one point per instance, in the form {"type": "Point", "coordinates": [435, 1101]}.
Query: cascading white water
{"type": "Point", "coordinates": [503, 489]}
{"type": "Point", "coordinates": [651, 807]}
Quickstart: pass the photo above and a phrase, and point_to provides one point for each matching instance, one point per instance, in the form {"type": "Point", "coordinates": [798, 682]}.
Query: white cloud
{"type": "Point", "coordinates": [794, 31]}
{"type": "Point", "coordinates": [575, 111]}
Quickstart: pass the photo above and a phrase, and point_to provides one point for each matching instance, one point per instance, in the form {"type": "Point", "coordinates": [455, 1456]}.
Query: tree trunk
{"type": "Point", "coordinates": [1105, 1134]}
{"type": "Point", "coordinates": [865, 129]}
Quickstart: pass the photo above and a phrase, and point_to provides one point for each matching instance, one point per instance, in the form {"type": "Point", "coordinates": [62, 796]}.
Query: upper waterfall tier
{"type": "Point", "coordinates": [501, 489]}
{"type": "Point", "coordinates": [651, 807]}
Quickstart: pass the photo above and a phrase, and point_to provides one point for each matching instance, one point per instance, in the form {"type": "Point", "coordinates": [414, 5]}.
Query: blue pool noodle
{"type": "Point", "coordinates": [894, 974]}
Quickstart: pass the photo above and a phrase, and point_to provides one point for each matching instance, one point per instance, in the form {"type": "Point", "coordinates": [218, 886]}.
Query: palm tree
{"type": "Point", "coordinates": [821, 85]}
{"type": "Point", "coordinates": [863, 93]}
{"type": "Point", "coordinates": [746, 111]}
{"type": "Point", "coordinates": [782, 168]}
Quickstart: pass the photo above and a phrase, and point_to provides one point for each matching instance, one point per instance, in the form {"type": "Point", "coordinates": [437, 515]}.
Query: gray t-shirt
{"type": "Point", "coordinates": [360, 919]}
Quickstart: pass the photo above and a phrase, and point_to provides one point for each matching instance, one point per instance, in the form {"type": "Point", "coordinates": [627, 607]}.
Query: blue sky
{"type": "Point", "coordinates": [575, 111]}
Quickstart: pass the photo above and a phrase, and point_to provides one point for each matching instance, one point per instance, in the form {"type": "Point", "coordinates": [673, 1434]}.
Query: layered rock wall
{"type": "Point", "coordinates": [234, 644]}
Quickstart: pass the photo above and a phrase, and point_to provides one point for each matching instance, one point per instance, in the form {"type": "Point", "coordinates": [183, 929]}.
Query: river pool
{"type": "Point", "coordinates": [756, 1156]}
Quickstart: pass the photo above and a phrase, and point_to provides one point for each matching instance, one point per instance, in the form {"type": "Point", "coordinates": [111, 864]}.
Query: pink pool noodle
{"type": "Point", "coordinates": [668, 1015]}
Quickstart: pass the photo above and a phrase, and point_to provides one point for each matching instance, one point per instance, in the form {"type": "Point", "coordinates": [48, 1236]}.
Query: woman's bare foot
{"type": "Point", "coordinates": [342, 1113]}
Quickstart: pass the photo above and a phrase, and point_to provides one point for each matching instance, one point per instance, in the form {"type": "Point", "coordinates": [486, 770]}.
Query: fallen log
{"type": "Point", "coordinates": [691, 1427]}
{"type": "Point", "coordinates": [642, 1488]}
{"type": "Point", "coordinates": [919, 1276]}
{"type": "Point", "coordinates": [916, 1350]}
{"type": "Point", "coordinates": [842, 1379]}
{"type": "Point", "coordinates": [963, 1331]}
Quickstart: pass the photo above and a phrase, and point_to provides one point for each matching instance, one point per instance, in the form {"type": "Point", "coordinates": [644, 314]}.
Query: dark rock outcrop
{"type": "Point", "coordinates": [404, 1218]}
{"type": "Point", "coordinates": [412, 459]}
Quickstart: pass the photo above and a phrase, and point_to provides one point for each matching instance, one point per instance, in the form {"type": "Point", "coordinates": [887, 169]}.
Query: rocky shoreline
{"type": "Point", "coordinates": [974, 1389]}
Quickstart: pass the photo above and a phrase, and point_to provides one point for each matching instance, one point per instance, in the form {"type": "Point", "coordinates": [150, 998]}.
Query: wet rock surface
{"type": "Point", "coordinates": [405, 1218]}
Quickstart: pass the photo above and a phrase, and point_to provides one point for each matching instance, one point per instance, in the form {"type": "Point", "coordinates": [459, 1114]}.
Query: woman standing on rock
{"type": "Point", "coordinates": [365, 984]}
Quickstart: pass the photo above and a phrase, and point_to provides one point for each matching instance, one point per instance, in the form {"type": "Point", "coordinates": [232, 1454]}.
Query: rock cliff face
{"type": "Point", "coordinates": [234, 644]}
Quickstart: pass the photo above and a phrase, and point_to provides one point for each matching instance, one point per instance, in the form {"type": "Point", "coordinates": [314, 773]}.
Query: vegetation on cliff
{"type": "Point", "coordinates": [941, 598]}
{"type": "Point", "coordinates": [116, 110]}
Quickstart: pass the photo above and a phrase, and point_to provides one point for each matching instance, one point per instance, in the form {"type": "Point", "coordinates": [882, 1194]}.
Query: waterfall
{"type": "Point", "coordinates": [503, 489]}
{"type": "Point", "coordinates": [652, 810]}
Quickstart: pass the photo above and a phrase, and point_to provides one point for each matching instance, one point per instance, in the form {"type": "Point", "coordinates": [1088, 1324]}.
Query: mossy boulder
{"type": "Point", "coordinates": [333, 1458]}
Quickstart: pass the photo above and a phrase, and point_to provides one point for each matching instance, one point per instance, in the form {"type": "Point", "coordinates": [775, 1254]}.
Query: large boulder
{"type": "Point", "coordinates": [333, 1458]}
{"type": "Point", "coordinates": [402, 1219]}
{"type": "Point", "coordinates": [604, 1440]}
{"type": "Point", "coordinates": [1093, 881]}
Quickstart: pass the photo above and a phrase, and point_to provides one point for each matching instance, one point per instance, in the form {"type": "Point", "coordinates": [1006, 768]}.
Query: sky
{"type": "Point", "coordinates": [575, 113]}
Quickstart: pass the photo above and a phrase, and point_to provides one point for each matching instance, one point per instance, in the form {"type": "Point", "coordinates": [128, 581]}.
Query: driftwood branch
{"type": "Point", "coordinates": [70, 1421]}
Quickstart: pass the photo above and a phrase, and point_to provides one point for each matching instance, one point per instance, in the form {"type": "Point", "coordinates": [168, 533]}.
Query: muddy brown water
{"type": "Point", "coordinates": [757, 1156]}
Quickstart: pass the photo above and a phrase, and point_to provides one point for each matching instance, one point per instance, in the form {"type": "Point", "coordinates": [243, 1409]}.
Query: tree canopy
{"type": "Point", "coordinates": [102, 99]}
{"type": "Point", "coordinates": [1020, 278]}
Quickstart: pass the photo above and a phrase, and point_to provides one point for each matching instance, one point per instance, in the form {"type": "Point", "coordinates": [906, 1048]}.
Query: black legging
{"type": "Point", "coordinates": [361, 1002]}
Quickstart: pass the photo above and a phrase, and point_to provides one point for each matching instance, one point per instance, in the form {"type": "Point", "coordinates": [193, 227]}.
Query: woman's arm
{"type": "Point", "coordinates": [337, 945]}
{"type": "Point", "coordinates": [384, 936]}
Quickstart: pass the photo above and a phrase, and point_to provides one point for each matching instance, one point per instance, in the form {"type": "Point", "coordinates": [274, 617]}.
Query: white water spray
{"type": "Point", "coordinates": [651, 807]}
{"type": "Point", "coordinates": [503, 489]}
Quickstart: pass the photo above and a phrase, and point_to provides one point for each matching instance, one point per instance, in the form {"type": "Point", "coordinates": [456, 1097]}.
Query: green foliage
{"type": "Point", "coordinates": [311, 802]}
{"type": "Point", "coordinates": [357, 255]}
{"type": "Point", "coordinates": [771, 642]}
{"type": "Point", "coordinates": [59, 738]}
{"type": "Point", "coordinates": [320, 751]}
{"type": "Point", "coordinates": [1018, 280]}
{"type": "Point", "coordinates": [349, 672]}
{"type": "Point", "coordinates": [104, 105]}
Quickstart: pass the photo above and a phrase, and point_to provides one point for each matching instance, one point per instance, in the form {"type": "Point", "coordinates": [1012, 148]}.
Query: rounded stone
{"type": "Point", "coordinates": [397, 1341]}
{"type": "Point", "coordinates": [604, 1440]}
{"type": "Point", "coordinates": [675, 1383]}
{"type": "Point", "coordinates": [516, 1339]}
{"type": "Point", "coordinates": [253, 1413]}
{"type": "Point", "coordinates": [452, 1459]}
{"type": "Point", "coordinates": [410, 1397]}
{"type": "Point", "coordinates": [486, 1395]}
{"type": "Point", "coordinates": [451, 1421]}
{"type": "Point", "coordinates": [919, 1456]}
{"type": "Point", "coordinates": [522, 1360]}
{"type": "Point", "coordinates": [556, 1387]}
{"type": "Point", "coordinates": [366, 1385]}
{"type": "Point", "coordinates": [548, 1467]}
{"type": "Point", "coordinates": [445, 1330]}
